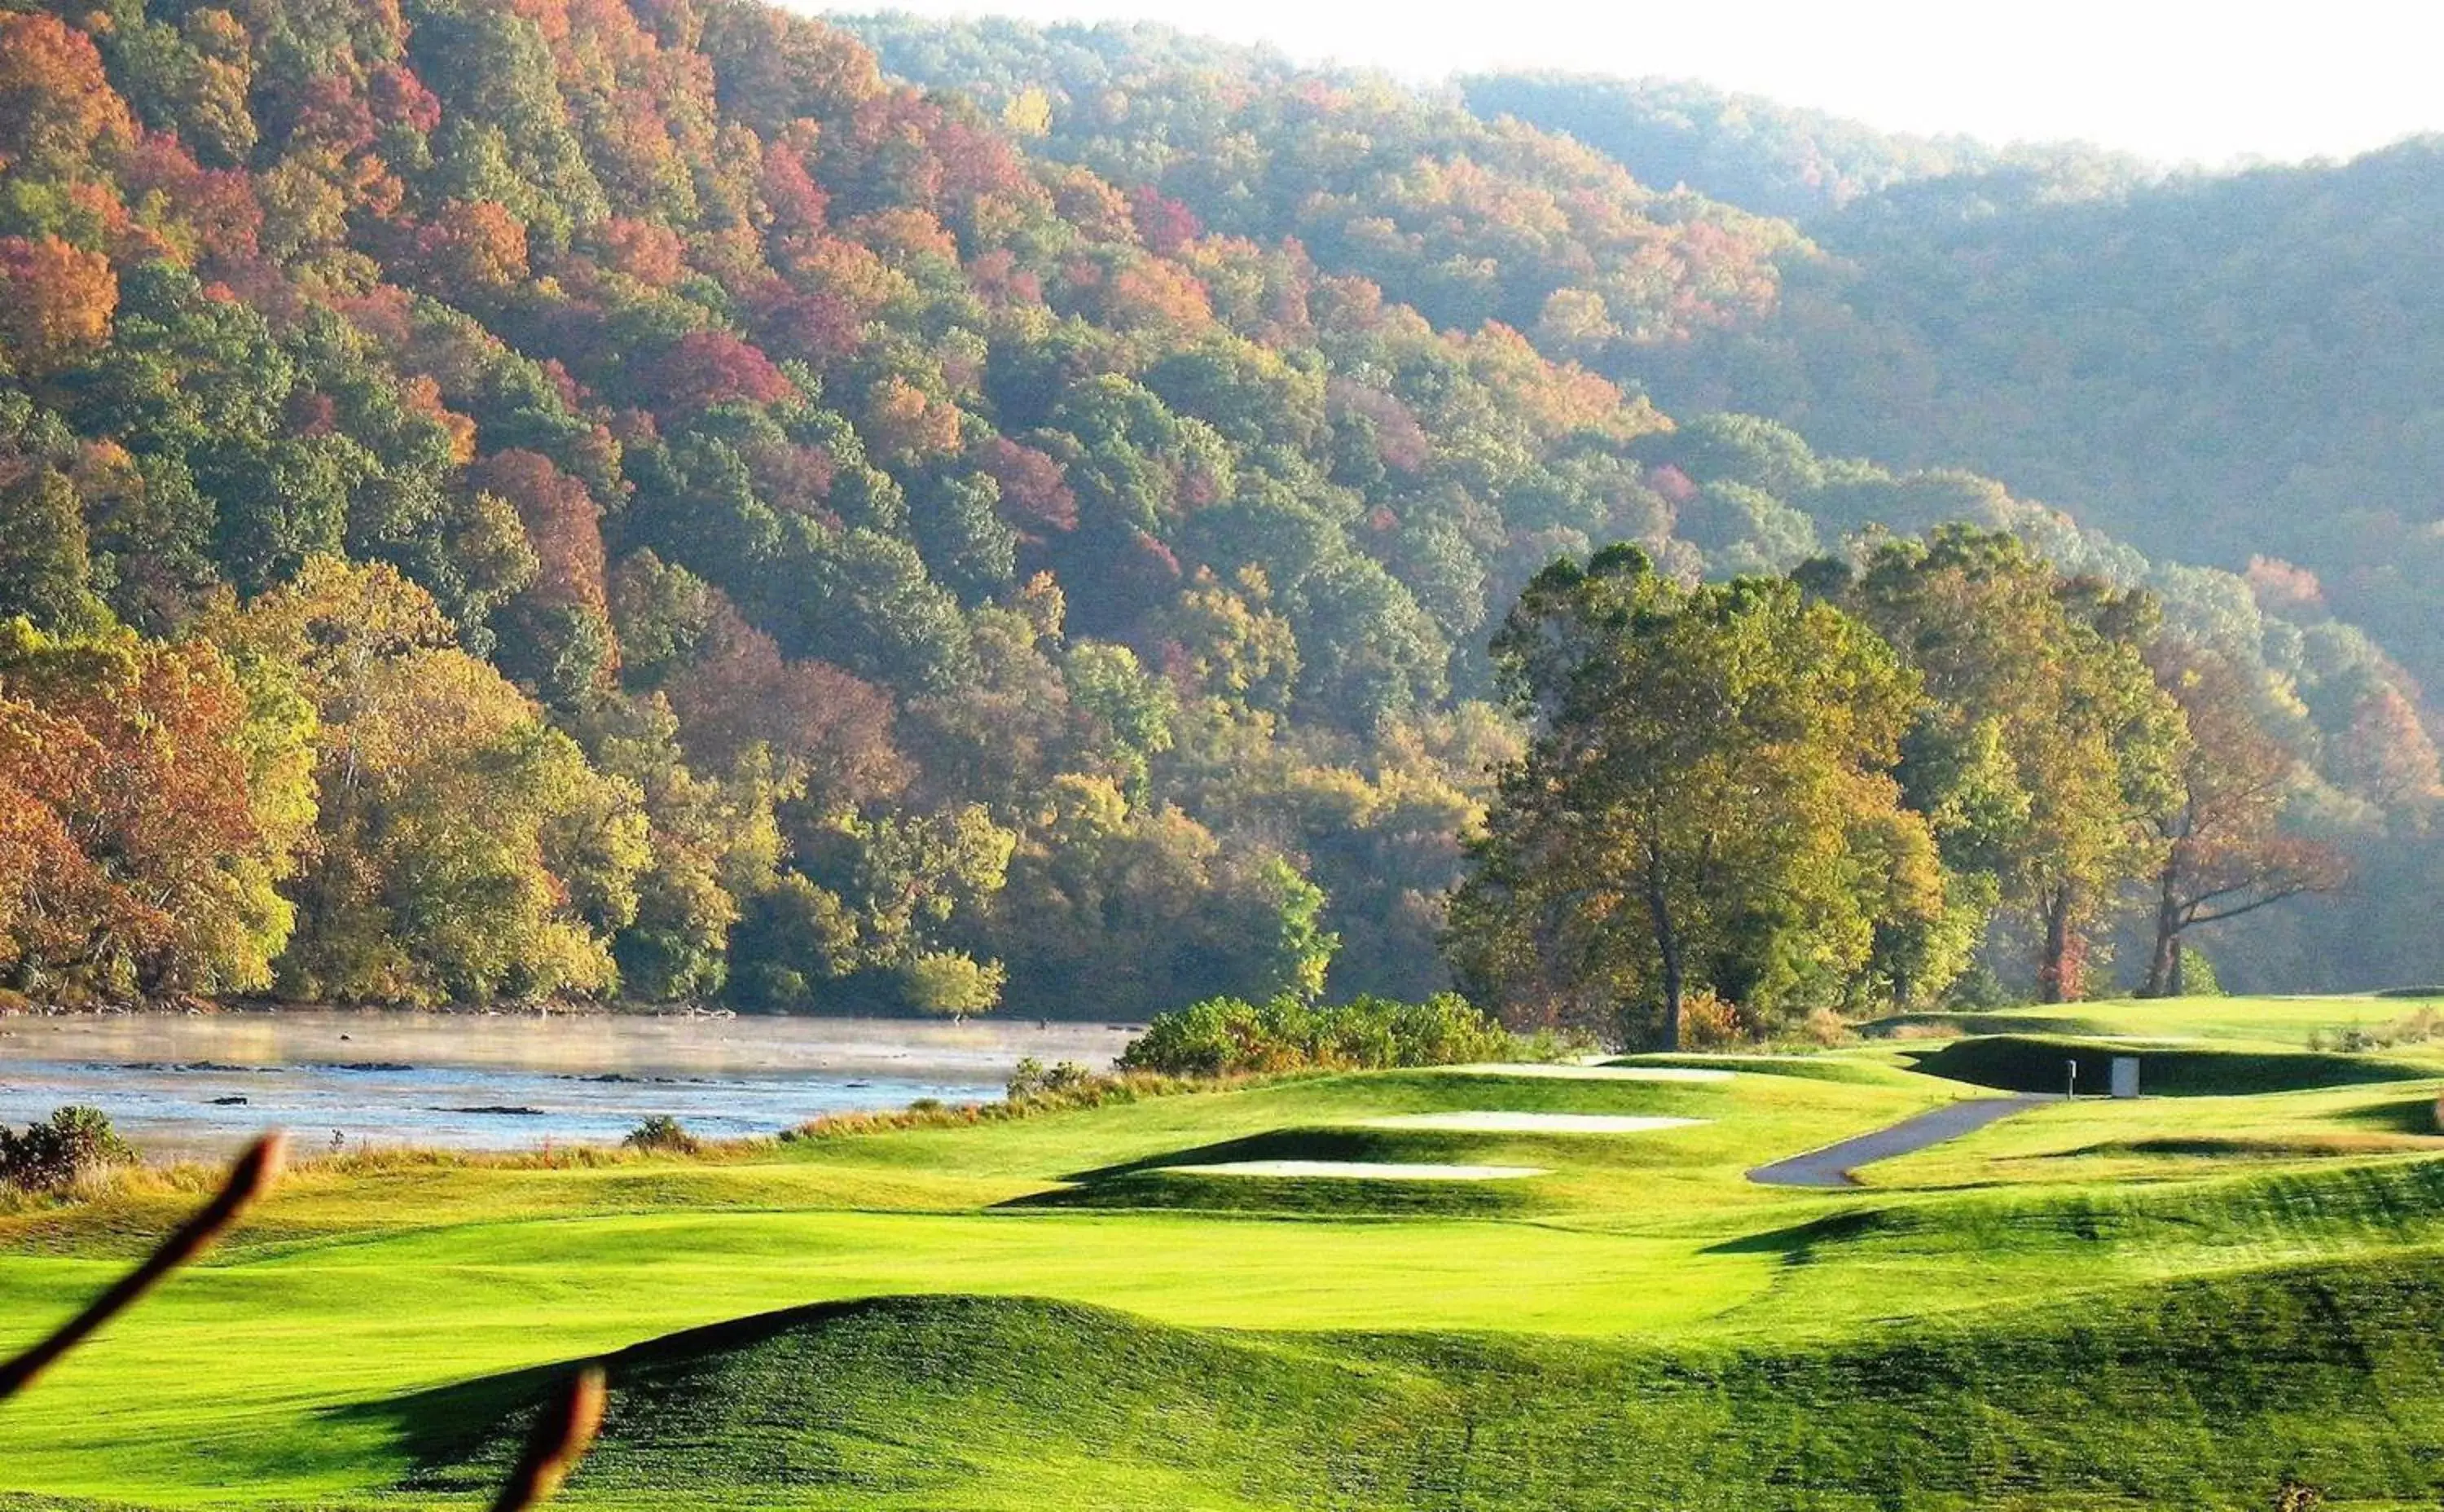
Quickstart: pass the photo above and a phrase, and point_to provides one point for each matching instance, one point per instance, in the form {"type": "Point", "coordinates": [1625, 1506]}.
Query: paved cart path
{"type": "Point", "coordinates": [1832, 1165]}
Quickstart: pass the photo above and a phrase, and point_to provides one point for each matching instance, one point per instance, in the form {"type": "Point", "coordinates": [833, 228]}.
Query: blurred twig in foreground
{"type": "Point", "coordinates": [247, 1180]}
{"type": "Point", "coordinates": [560, 1436]}
{"type": "Point", "coordinates": [559, 1439]}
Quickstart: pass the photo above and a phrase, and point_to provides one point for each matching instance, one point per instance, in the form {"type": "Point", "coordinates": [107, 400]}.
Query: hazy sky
{"type": "Point", "coordinates": [2176, 80]}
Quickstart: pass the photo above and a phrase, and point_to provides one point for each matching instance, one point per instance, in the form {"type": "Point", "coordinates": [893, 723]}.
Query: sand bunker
{"type": "Point", "coordinates": [1496, 1121]}
{"type": "Point", "coordinates": [1579, 1072]}
{"type": "Point", "coordinates": [1360, 1169]}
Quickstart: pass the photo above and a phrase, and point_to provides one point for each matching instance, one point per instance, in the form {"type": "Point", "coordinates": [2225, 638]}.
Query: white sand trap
{"type": "Point", "coordinates": [1490, 1120]}
{"type": "Point", "coordinates": [1361, 1170]}
{"type": "Point", "coordinates": [1578, 1072]}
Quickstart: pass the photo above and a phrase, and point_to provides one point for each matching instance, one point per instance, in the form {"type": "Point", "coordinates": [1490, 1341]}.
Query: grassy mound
{"type": "Point", "coordinates": [2206, 1394]}
{"type": "Point", "coordinates": [2023, 1062]}
{"type": "Point", "coordinates": [938, 1400]}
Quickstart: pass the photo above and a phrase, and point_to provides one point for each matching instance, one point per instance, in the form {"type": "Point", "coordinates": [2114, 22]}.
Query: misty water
{"type": "Point", "coordinates": [204, 1085]}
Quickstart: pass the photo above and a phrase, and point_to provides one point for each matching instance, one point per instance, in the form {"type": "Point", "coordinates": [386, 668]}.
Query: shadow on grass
{"type": "Point", "coordinates": [1155, 1181]}
{"type": "Point", "coordinates": [1798, 1242]}
{"type": "Point", "coordinates": [457, 1438]}
{"type": "Point", "coordinates": [2409, 1115]}
{"type": "Point", "coordinates": [2309, 1145]}
{"type": "Point", "coordinates": [2024, 1062]}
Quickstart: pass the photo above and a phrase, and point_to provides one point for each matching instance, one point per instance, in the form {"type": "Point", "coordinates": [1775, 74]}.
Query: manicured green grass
{"type": "Point", "coordinates": [2207, 1394]}
{"type": "Point", "coordinates": [2279, 1022]}
{"type": "Point", "coordinates": [2172, 1302]}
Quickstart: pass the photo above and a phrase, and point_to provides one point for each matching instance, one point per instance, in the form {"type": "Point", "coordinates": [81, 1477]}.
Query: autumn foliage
{"type": "Point", "coordinates": [137, 860]}
{"type": "Point", "coordinates": [55, 302]}
{"type": "Point", "coordinates": [506, 499]}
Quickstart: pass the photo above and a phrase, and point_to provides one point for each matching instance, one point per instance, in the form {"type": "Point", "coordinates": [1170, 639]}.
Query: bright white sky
{"type": "Point", "coordinates": [2173, 80]}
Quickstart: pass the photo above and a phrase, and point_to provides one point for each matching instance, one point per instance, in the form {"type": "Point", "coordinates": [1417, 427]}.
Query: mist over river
{"type": "Point", "coordinates": [206, 1083]}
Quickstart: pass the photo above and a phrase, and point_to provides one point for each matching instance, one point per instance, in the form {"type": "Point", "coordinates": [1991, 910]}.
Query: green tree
{"type": "Point", "coordinates": [2046, 755]}
{"type": "Point", "coordinates": [467, 850]}
{"type": "Point", "coordinates": [1691, 812]}
{"type": "Point", "coordinates": [45, 571]}
{"type": "Point", "coordinates": [714, 841]}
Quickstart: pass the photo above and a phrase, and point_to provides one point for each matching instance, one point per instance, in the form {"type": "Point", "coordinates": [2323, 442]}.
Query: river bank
{"type": "Point", "coordinates": [182, 1084]}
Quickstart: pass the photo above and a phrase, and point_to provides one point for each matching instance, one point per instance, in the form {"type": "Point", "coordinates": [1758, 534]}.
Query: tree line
{"type": "Point", "coordinates": [1828, 792]}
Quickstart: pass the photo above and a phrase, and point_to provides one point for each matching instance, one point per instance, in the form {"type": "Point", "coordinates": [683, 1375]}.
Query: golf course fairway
{"type": "Point", "coordinates": [2193, 1299]}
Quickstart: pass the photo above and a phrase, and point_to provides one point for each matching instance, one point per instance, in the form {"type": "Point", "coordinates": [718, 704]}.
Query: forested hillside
{"type": "Point", "coordinates": [1760, 154]}
{"type": "Point", "coordinates": [2223, 368]}
{"type": "Point", "coordinates": [1204, 120]}
{"type": "Point", "coordinates": [2218, 367]}
{"type": "Point", "coordinates": [514, 498]}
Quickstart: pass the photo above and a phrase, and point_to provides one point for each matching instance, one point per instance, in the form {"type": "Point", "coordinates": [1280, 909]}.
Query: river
{"type": "Point", "coordinates": [202, 1084]}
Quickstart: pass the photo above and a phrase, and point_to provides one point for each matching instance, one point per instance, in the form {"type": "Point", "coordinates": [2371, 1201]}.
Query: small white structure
{"type": "Point", "coordinates": [2125, 1075]}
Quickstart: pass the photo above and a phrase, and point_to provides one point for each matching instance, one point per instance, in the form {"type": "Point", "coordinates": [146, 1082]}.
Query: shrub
{"type": "Point", "coordinates": [2417, 1028]}
{"type": "Point", "coordinates": [662, 1134]}
{"type": "Point", "coordinates": [1032, 1080]}
{"type": "Point", "coordinates": [76, 1143]}
{"type": "Point", "coordinates": [1033, 1089]}
{"type": "Point", "coordinates": [1230, 1036]}
{"type": "Point", "coordinates": [1708, 1023]}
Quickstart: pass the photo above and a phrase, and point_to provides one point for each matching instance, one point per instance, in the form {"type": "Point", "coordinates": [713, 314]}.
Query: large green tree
{"type": "Point", "coordinates": [1695, 812]}
{"type": "Point", "coordinates": [468, 851]}
{"type": "Point", "coordinates": [2046, 755]}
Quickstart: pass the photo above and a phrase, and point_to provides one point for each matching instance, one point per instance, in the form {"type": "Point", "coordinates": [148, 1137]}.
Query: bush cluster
{"type": "Point", "coordinates": [2420, 1027]}
{"type": "Point", "coordinates": [54, 1155]}
{"type": "Point", "coordinates": [662, 1134]}
{"type": "Point", "coordinates": [1228, 1036]}
{"type": "Point", "coordinates": [1031, 1081]}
